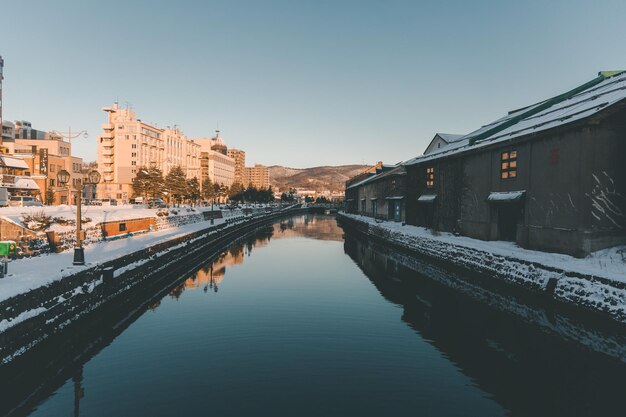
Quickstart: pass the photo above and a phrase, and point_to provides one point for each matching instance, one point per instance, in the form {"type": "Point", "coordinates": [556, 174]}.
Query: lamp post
{"type": "Point", "coordinates": [93, 177]}
{"type": "Point", "coordinates": [69, 135]}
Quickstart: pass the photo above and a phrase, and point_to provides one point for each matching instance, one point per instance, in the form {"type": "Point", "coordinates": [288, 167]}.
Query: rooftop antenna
{"type": "Point", "coordinates": [217, 131]}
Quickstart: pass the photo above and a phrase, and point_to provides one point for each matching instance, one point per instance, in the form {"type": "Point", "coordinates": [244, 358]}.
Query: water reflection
{"type": "Point", "coordinates": [534, 360]}
{"type": "Point", "coordinates": [209, 277]}
{"type": "Point", "coordinates": [310, 335]}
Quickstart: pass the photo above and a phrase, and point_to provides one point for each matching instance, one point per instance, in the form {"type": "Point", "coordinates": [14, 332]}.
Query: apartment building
{"type": "Point", "coordinates": [215, 163]}
{"type": "Point", "coordinates": [128, 143]}
{"type": "Point", "coordinates": [239, 157]}
{"type": "Point", "coordinates": [258, 176]}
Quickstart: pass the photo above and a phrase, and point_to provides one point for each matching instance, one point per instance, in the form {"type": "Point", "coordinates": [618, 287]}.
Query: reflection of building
{"type": "Point", "coordinates": [239, 157]}
{"type": "Point", "coordinates": [128, 144]}
{"type": "Point", "coordinates": [213, 274]}
{"type": "Point", "coordinates": [215, 164]}
{"type": "Point", "coordinates": [258, 176]}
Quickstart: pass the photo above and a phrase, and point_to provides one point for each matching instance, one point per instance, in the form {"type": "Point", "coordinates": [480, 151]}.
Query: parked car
{"type": "Point", "coordinates": [24, 201]}
{"type": "Point", "coordinates": [156, 203]}
{"type": "Point", "coordinates": [4, 197]}
{"type": "Point", "coordinates": [101, 202]}
{"type": "Point", "coordinates": [108, 202]}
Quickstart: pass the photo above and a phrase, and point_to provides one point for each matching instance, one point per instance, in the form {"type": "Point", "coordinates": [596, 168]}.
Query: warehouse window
{"type": "Point", "coordinates": [508, 165]}
{"type": "Point", "coordinates": [430, 177]}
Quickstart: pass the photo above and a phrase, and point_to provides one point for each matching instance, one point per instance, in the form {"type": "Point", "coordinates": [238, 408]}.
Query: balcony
{"type": "Point", "coordinates": [108, 126]}
{"type": "Point", "coordinates": [107, 170]}
{"type": "Point", "coordinates": [108, 178]}
{"type": "Point", "coordinates": [108, 135]}
{"type": "Point", "coordinates": [107, 161]}
{"type": "Point", "coordinates": [107, 153]}
{"type": "Point", "coordinates": [7, 180]}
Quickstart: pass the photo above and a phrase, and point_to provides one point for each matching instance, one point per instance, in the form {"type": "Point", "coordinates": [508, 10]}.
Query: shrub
{"type": "Point", "coordinates": [37, 221]}
{"type": "Point", "coordinates": [63, 221]}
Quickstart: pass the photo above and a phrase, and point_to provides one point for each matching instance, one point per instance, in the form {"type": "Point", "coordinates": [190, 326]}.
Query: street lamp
{"type": "Point", "coordinates": [69, 135]}
{"type": "Point", "coordinates": [93, 178]}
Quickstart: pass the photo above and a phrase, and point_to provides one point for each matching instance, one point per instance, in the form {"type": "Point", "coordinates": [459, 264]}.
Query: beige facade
{"type": "Point", "coordinates": [45, 158]}
{"type": "Point", "coordinates": [258, 176]}
{"type": "Point", "coordinates": [216, 165]}
{"type": "Point", "coordinates": [239, 157]}
{"type": "Point", "coordinates": [127, 144]}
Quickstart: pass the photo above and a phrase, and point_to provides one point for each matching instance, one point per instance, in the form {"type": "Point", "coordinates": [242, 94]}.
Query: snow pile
{"type": "Point", "coordinates": [5, 324]}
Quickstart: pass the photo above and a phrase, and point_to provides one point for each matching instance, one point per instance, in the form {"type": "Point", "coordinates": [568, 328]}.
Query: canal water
{"type": "Point", "coordinates": [297, 320]}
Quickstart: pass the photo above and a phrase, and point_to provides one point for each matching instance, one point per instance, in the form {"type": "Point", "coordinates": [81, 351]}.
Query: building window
{"type": "Point", "coordinates": [51, 182]}
{"type": "Point", "coordinates": [508, 165]}
{"type": "Point", "coordinates": [134, 146]}
{"type": "Point", "coordinates": [133, 163]}
{"type": "Point", "coordinates": [134, 155]}
{"type": "Point", "coordinates": [122, 227]}
{"type": "Point", "coordinates": [430, 177]}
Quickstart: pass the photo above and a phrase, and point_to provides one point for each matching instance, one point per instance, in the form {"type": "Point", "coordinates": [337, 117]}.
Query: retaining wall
{"type": "Point", "coordinates": [589, 292]}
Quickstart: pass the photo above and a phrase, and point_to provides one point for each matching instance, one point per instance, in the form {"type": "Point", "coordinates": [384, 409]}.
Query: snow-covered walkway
{"type": "Point", "coordinates": [29, 273]}
{"type": "Point", "coordinates": [608, 263]}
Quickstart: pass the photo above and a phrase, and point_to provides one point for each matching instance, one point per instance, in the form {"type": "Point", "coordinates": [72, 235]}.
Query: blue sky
{"type": "Point", "coordinates": [300, 83]}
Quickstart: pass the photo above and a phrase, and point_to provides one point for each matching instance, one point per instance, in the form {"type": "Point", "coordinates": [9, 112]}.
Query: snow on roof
{"type": "Point", "coordinates": [25, 183]}
{"type": "Point", "coordinates": [585, 101]}
{"type": "Point", "coordinates": [449, 137]}
{"type": "Point", "coordinates": [13, 162]}
{"type": "Point", "coordinates": [397, 170]}
{"type": "Point", "coordinates": [505, 196]}
{"type": "Point", "coordinates": [427, 198]}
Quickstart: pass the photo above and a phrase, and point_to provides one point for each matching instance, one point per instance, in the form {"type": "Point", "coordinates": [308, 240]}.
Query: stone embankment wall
{"type": "Point", "coordinates": [28, 319]}
{"type": "Point", "coordinates": [590, 292]}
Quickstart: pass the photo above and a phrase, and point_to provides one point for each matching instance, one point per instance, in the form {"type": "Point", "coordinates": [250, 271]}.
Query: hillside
{"type": "Point", "coordinates": [331, 178]}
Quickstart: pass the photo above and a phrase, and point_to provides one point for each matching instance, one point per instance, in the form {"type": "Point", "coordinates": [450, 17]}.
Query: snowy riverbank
{"type": "Point", "coordinates": [43, 295]}
{"type": "Point", "coordinates": [597, 282]}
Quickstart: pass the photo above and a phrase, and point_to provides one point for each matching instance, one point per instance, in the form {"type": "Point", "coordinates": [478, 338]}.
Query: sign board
{"type": "Point", "coordinates": [43, 161]}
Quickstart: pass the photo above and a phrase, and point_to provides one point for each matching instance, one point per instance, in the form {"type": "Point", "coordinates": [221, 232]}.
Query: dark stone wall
{"type": "Point", "coordinates": [574, 178]}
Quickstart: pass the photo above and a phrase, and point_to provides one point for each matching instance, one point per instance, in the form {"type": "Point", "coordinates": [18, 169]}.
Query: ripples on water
{"type": "Point", "coordinates": [295, 320]}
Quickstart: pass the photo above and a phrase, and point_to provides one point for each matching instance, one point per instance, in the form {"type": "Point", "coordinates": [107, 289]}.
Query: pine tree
{"type": "Point", "coordinates": [176, 184]}
{"type": "Point", "coordinates": [148, 182]}
{"type": "Point", "coordinates": [193, 189]}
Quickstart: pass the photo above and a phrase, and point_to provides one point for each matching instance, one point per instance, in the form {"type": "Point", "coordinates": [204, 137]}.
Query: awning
{"type": "Point", "coordinates": [373, 198]}
{"type": "Point", "coordinates": [25, 184]}
{"type": "Point", "coordinates": [506, 196]}
{"type": "Point", "coordinates": [398, 197]}
{"type": "Point", "coordinates": [427, 198]}
{"type": "Point", "coordinates": [9, 162]}
{"type": "Point", "coordinates": [349, 199]}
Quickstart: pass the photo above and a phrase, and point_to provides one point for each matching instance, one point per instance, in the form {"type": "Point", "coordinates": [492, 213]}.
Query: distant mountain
{"type": "Point", "coordinates": [325, 178]}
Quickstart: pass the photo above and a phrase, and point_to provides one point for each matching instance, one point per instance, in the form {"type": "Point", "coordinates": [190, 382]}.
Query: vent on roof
{"type": "Point", "coordinates": [607, 74]}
